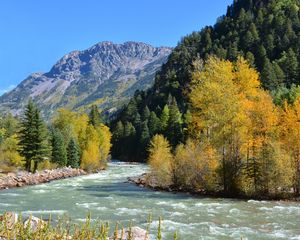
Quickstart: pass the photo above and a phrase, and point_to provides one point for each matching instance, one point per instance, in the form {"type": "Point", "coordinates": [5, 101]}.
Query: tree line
{"type": "Point", "coordinates": [265, 33]}
{"type": "Point", "coordinates": [239, 141]}
{"type": "Point", "coordinates": [70, 139]}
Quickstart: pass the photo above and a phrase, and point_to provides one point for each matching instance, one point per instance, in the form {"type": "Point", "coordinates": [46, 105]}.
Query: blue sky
{"type": "Point", "coordinates": [35, 34]}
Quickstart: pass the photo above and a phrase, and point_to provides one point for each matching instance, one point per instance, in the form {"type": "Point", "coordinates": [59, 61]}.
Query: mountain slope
{"type": "Point", "coordinates": [265, 32]}
{"type": "Point", "coordinates": [106, 73]}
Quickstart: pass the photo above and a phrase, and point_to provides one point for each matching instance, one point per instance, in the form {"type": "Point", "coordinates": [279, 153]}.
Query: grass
{"type": "Point", "coordinates": [64, 230]}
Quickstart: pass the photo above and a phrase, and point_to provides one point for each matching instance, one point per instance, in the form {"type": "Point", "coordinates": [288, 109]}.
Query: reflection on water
{"type": "Point", "coordinates": [109, 197]}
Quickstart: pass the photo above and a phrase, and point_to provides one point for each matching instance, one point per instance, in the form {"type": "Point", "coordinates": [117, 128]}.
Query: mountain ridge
{"type": "Point", "coordinates": [107, 71]}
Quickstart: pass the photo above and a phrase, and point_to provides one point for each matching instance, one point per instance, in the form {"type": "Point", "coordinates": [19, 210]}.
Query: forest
{"type": "Point", "coordinates": [265, 33]}
{"type": "Point", "coordinates": [261, 37]}
{"type": "Point", "coordinates": [70, 139]}
{"type": "Point", "coordinates": [240, 142]}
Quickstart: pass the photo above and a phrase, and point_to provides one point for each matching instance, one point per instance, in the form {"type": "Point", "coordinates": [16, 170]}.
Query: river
{"type": "Point", "coordinates": [109, 197]}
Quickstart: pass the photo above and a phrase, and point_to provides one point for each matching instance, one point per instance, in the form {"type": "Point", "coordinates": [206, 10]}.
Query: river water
{"type": "Point", "coordinates": [109, 197]}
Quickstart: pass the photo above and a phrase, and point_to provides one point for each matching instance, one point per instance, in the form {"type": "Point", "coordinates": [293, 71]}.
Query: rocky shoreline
{"type": "Point", "coordinates": [147, 181]}
{"type": "Point", "coordinates": [22, 178]}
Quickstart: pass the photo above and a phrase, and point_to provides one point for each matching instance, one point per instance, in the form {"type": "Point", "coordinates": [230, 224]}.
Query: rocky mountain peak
{"type": "Point", "coordinates": [107, 71]}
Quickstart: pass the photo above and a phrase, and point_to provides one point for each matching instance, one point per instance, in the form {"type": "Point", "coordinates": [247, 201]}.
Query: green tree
{"type": "Point", "coordinates": [41, 143]}
{"type": "Point", "coordinates": [131, 110]}
{"type": "Point", "coordinates": [95, 116]}
{"type": "Point", "coordinates": [269, 75]}
{"type": "Point", "coordinates": [146, 114]}
{"type": "Point", "coordinates": [118, 137]}
{"type": "Point", "coordinates": [27, 134]}
{"type": "Point", "coordinates": [59, 152]}
{"type": "Point", "coordinates": [137, 122]}
{"type": "Point", "coordinates": [174, 129]}
{"type": "Point", "coordinates": [128, 143]}
{"type": "Point", "coordinates": [278, 73]}
{"type": "Point", "coordinates": [154, 124]}
{"type": "Point", "coordinates": [145, 135]}
{"type": "Point", "coordinates": [73, 153]}
{"type": "Point", "coordinates": [164, 117]}
{"type": "Point", "coordinates": [291, 67]}
{"type": "Point", "coordinates": [33, 137]}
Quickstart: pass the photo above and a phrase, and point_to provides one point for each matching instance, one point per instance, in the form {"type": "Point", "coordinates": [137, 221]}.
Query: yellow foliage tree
{"type": "Point", "coordinates": [220, 93]}
{"type": "Point", "coordinates": [160, 160]}
{"type": "Point", "coordinates": [72, 125]}
{"type": "Point", "coordinates": [290, 137]}
{"type": "Point", "coordinates": [195, 166]}
{"type": "Point", "coordinates": [9, 155]}
{"type": "Point", "coordinates": [104, 141]}
{"type": "Point", "coordinates": [233, 115]}
{"type": "Point", "coordinates": [94, 141]}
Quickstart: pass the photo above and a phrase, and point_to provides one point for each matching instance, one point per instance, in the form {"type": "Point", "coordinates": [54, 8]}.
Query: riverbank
{"type": "Point", "coordinates": [147, 181]}
{"type": "Point", "coordinates": [22, 178]}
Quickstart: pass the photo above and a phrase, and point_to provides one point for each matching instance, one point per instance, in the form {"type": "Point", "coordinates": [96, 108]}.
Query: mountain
{"type": "Point", "coordinates": [265, 32]}
{"type": "Point", "coordinates": [107, 74]}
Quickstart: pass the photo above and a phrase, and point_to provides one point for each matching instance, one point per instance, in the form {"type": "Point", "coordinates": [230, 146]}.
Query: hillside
{"type": "Point", "coordinates": [106, 74]}
{"type": "Point", "coordinates": [265, 32]}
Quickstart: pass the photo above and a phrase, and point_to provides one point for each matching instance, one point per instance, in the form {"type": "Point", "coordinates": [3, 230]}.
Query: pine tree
{"type": "Point", "coordinates": [146, 114]}
{"type": "Point", "coordinates": [119, 131]}
{"type": "Point", "coordinates": [73, 153]}
{"type": "Point", "coordinates": [164, 117]}
{"type": "Point", "coordinates": [174, 129]}
{"type": "Point", "coordinates": [145, 135]}
{"type": "Point", "coordinates": [33, 137]}
{"type": "Point", "coordinates": [129, 140]}
{"type": "Point", "coordinates": [27, 134]}
{"type": "Point", "coordinates": [279, 74]}
{"type": "Point", "coordinates": [137, 122]}
{"type": "Point", "coordinates": [129, 129]}
{"type": "Point", "coordinates": [94, 116]}
{"type": "Point", "coordinates": [118, 138]}
{"type": "Point", "coordinates": [269, 75]}
{"type": "Point", "coordinates": [131, 110]}
{"type": "Point", "coordinates": [291, 68]}
{"type": "Point", "coordinates": [59, 152]}
{"type": "Point", "coordinates": [154, 124]}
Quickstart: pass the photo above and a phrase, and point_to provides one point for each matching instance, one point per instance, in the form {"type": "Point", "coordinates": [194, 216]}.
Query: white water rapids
{"type": "Point", "coordinates": [109, 197]}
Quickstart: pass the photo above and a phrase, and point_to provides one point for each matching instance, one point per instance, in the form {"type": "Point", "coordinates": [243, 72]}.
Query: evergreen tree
{"type": "Point", "coordinates": [41, 144]}
{"type": "Point", "coordinates": [164, 117]}
{"type": "Point", "coordinates": [174, 129]}
{"type": "Point", "coordinates": [129, 145]}
{"type": "Point", "coordinates": [154, 124]}
{"type": "Point", "coordinates": [146, 114]}
{"type": "Point", "coordinates": [73, 153]}
{"type": "Point", "coordinates": [269, 75]}
{"type": "Point", "coordinates": [131, 110]}
{"type": "Point", "coordinates": [118, 137]}
{"type": "Point", "coordinates": [27, 135]}
{"type": "Point", "coordinates": [129, 129]}
{"type": "Point", "coordinates": [279, 74]}
{"type": "Point", "coordinates": [59, 152]}
{"type": "Point", "coordinates": [33, 137]}
{"type": "Point", "coordinates": [291, 68]}
{"type": "Point", "coordinates": [137, 122]}
{"type": "Point", "coordinates": [94, 116]}
{"type": "Point", "coordinates": [145, 135]}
